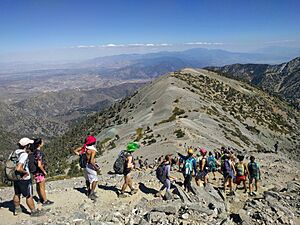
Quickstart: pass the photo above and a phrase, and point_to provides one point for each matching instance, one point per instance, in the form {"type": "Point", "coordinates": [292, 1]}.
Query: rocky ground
{"type": "Point", "coordinates": [277, 201]}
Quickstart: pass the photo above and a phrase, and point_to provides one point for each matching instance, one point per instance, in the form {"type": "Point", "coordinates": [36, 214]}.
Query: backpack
{"type": "Point", "coordinates": [253, 168]}
{"type": "Point", "coordinates": [240, 169]}
{"type": "Point", "coordinates": [119, 163]}
{"type": "Point", "coordinates": [211, 162]}
{"type": "Point", "coordinates": [32, 163]}
{"type": "Point", "coordinates": [188, 166]}
{"type": "Point", "coordinates": [10, 167]}
{"type": "Point", "coordinates": [82, 160]}
{"type": "Point", "coordinates": [160, 172]}
{"type": "Point", "coordinates": [227, 167]}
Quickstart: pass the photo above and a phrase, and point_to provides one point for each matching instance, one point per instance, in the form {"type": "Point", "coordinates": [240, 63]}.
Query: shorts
{"type": "Point", "coordinates": [255, 177]}
{"type": "Point", "coordinates": [90, 174]}
{"type": "Point", "coordinates": [126, 171]}
{"type": "Point", "coordinates": [239, 179]}
{"type": "Point", "coordinates": [23, 187]}
{"type": "Point", "coordinates": [212, 169]}
{"type": "Point", "coordinates": [39, 178]}
{"type": "Point", "coordinates": [201, 175]}
{"type": "Point", "coordinates": [228, 175]}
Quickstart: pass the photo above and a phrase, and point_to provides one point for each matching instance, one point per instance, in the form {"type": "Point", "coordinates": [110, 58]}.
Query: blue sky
{"type": "Point", "coordinates": [48, 25]}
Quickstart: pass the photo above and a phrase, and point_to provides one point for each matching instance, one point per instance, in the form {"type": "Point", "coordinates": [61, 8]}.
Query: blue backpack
{"type": "Point", "coordinates": [188, 166]}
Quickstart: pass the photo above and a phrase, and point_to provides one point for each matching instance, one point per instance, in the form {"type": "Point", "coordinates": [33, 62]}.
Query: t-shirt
{"type": "Point", "coordinates": [23, 158]}
{"type": "Point", "coordinates": [39, 156]}
{"type": "Point", "coordinates": [167, 169]}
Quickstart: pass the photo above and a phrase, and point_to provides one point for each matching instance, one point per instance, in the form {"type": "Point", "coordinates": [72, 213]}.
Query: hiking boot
{"type": "Point", "coordinates": [231, 193]}
{"type": "Point", "coordinates": [122, 195]}
{"type": "Point", "coordinates": [37, 213]}
{"type": "Point", "coordinates": [17, 211]}
{"type": "Point", "coordinates": [133, 191]}
{"type": "Point", "coordinates": [250, 194]}
{"type": "Point", "coordinates": [93, 196]}
{"type": "Point", "coordinates": [158, 194]}
{"type": "Point", "coordinates": [48, 202]}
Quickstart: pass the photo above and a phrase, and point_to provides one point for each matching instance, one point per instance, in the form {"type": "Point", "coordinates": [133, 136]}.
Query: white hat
{"type": "Point", "coordinates": [25, 141]}
{"type": "Point", "coordinates": [91, 147]}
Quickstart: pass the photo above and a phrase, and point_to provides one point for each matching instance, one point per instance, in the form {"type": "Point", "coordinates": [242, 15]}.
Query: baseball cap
{"type": "Point", "coordinates": [25, 141]}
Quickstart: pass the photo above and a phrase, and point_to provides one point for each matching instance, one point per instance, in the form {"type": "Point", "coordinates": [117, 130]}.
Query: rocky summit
{"type": "Point", "coordinates": [199, 108]}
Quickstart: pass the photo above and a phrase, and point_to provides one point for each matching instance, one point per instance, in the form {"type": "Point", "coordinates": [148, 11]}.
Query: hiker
{"type": "Point", "coordinates": [189, 167]}
{"type": "Point", "coordinates": [276, 147]}
{"type": "Point", "coordinates": [212, 164]}
{"type": "Point", "coordinates": [163, 175]}
{"type": "Point", "coordinates": [40, 171]}
{"type": "Point", "coordinates": [254, 174]}
{"type": "Point", "coordinates": [241, 172]}
{"type": "Point", "coordinates": [228, 173]}
{"type": "Point", "coordinates": [87, 156]}
{"type": "Point", "coordinates": [23, 186]}
{"type": "Point", "coordinates": [128, 167]}
{"type": "Point", "coordinates": [141, 163]}
{"type": "Point", "coordinates": [203, 169]}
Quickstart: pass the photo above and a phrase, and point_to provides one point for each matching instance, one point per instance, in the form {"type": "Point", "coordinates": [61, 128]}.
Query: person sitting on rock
{"type": "Point", "coordinates": [163, 175]}
{"type": "Point", "coordinates": [128, 167]}
{"type": "Point", "coordinates": [241, 172]}
{"type": "Point", "coordinates": [254, 174]}
{"type": "Point", "coordinates": [189, 167]}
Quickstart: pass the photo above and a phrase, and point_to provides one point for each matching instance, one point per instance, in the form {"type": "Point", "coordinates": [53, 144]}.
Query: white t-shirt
{"type": "Point", "coordinates": [23, 158]}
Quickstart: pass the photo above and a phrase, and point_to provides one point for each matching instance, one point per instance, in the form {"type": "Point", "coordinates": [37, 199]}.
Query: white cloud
{"type": "Point", "coordinates": [112, 45]}
{"type": "Point", "coordinates": [278, 41]}
{"type": "Point", "coordinates": [203, 43]}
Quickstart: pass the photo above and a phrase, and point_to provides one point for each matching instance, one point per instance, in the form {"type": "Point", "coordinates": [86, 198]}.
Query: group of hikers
{"type": "Point", "coordinates": [192, 162]}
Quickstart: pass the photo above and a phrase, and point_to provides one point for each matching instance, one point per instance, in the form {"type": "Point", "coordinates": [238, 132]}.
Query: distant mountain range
{"type": "Point", "coordinates": [197, 57]}
{"type": "Point", "coordinates": [282, 79]}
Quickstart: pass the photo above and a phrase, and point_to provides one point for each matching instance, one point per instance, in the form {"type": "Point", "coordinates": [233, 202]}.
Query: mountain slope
{"type": "Point", "coordinates": [282, 79]}
{"type": "Point", "coordinates": [192, 106]}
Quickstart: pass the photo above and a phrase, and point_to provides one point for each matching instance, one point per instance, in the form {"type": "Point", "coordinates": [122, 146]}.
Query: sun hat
{"type": "Point", "coordinates": [191, 151]}
{"type": "Point", "coordinates": [132, 146]}
{"type": "Point", "coordinates": [203, 151]}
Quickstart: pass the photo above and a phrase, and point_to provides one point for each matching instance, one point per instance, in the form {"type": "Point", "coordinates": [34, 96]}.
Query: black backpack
{"type": "Point", "coordinates": [119, 163]}
{"type": "Point", "coordinates": [82, 160]}
{"type": "Point", "coordinates": [32, 163]}
{"type": "Point", "coordinates": [160, 172]}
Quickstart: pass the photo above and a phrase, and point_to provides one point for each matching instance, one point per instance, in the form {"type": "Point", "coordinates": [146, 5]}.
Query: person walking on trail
{"type": "Point", "coordinates": [212, 164]}
{"type": "Point", "coordinates": [203, 168]}
{"type": "Point", "coordinates": [228, 173]}
{"type": "Point", "coordinates": [128, 167]}
{"type": "Point", "coordinates": [241, 172]}
{"type": "Point", "coordinates": [40, 171]}
{"type": "Point", "coordinates": [88, 162]}
{"type": "Point", "coordinates": [254, 175]}
{"type": "Point", "coordinates": [189, 168]}
{"type": "Point", "coordinates": [23, 186]}
{"type": "Point", "coordinates": [163, 175]}
{"type": "Point", "coordinates": [276, 147]}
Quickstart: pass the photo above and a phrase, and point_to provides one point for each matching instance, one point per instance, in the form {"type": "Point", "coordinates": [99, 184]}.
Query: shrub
{"type": "Point", "coordinates": [179, 133]}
